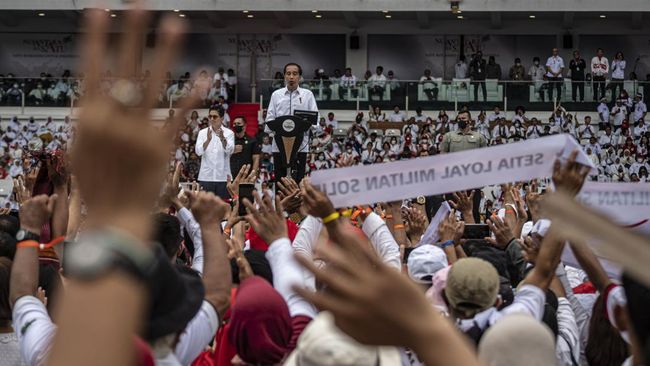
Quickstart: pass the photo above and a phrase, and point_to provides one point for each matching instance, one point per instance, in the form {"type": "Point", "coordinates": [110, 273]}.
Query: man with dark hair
{"type": "Point", "coordinates": [247, 149]}
{"type": "Point", "coordinates": [377, 83]}
{"type": "Point", "coordinates": [7, 245]}
{"type": "Point", "coordinates": [167, 232]}
{"type": "Point", "coordinates": [285, 101]}
{"type": "Point", "coordinates": [215, 153]}
{"type": "Point", "coordinates": [577, 65]}
{"type": "Point", "coordinates": [464, 139]}
{"type": "Point", "coordinates": [478, 73]}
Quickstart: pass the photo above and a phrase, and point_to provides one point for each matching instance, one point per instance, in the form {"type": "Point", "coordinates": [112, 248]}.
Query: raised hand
{"type": "Point", "coordinates": [451, 229]}
{"type": "Point", "coordinates": [530, 249]}
{"type": "Point", "coordinates": [377, 305]}
{"type": "Point", "coordinates": [118, 156]}
{"type": "Point", "coordinates": [465, 204]}
{"type": "Point", "coordinates": [208, 209]}
{"type": "Point", "coordinates": [36, 211]}
{"type": "Point", "coordinates": [502, 232]}
{"type": "Point", "coordinates": [570, 176]}
{"type": "Point", "coordinates": [268, 222]}
{"type": "Point", "coordinates": [245, 175]}
{"type": "Point", "coordinates": [316, 202]}
{"type": "Point", "coordinates": [416, 224]}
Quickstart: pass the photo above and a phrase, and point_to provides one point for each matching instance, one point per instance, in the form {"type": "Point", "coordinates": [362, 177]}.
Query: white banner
{"type": "Point", "coordinates": [627, 204]}
{"type": "Point", "coordinates": [446, 173]}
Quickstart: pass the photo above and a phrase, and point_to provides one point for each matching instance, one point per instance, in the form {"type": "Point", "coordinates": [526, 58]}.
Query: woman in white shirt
{"type": "Point", "coordinates": [618, 75]}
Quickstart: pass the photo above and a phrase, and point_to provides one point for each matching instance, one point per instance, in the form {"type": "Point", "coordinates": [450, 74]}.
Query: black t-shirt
{"type": "Point", "coordinates": [577, 69]}
{"type": "Point", "coordinates": [250, 147]}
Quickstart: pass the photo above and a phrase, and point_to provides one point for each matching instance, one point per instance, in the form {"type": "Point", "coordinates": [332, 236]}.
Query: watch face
{"type": "Point", "coordinates": [20, 235]}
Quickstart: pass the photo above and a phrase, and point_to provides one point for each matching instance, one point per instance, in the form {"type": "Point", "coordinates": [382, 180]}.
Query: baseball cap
{"type": "Point", "coordinates": [323, 344]}
{"type": "Point", "coordinates": [472, 286]}
{"type": "Point", "coordinates": [424, 261]}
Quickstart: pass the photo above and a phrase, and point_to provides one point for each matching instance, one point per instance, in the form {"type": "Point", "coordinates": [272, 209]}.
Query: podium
{"type": "Point", "coordinates": [289, 133]}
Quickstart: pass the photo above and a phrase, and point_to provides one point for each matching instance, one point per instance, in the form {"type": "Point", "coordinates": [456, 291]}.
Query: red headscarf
{"type": "Point", "coordinates": [260, 325]}
{"type": "Point", "coordinates": [259, 244]}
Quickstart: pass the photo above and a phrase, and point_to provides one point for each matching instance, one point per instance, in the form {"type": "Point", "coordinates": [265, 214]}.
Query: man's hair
{"type": "Point", "coordinates": [600, 49]}
{"type": "Point", "coordinates": [292, 64]}
{"type": "Point", "coordinates": [380, 68]}
{"type": "Point", "coordinates": [638, 298]}
{"type": "Point", "coordinates": [348, 68]}
{"type": "Point", "coordinates": [7, 245]}
{"type": "Point", "coordinates": [9, 224]}
{"type": "Point", "coordinates": [167, 232]}
{"type": "Point", "coordinates": [5, 274]}
{"type": "Point", "coordinates": [219, 110]}
{"type": "Point", "coordinates": [464, 112]}
{"type": "Point", "coordinates": [535, 58]}
{"type": "Point", "coordinates": [238, 117]}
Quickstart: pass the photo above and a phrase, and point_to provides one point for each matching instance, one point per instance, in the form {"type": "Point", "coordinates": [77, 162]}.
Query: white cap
{"type": "Point", "coordinates": [323, 344]}
{"type": "Point", "coordinates": [424, 261]}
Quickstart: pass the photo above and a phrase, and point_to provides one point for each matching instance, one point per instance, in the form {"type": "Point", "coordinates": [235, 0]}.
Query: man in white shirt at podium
{"type": "Point", "coordinates": [285, 101]}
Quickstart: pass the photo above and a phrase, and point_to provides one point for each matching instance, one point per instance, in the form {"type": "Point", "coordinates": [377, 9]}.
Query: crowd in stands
{"type": "Point", "coordinates": [599, 72]}
{"type": "Point", "coordinates": [49, 90]}
{"type": "Point", "coordinates": [107, 258]}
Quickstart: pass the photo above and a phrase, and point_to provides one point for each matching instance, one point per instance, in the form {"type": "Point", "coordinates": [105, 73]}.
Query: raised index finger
{"type": "Point", "coordinates": [93, 49]}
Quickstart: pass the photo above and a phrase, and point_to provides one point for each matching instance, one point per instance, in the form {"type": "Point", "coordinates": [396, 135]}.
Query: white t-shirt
{"type": "Point", "coordinates": [639, 109]}
{"type": "Point", "coordinates": [603, 111]}
{"type": "Point", "coordinates": [10, 350]}
{"type": "Point", "coordinates": [397, 117]}
{"type": "Point", "coordinates": [555, 64]}
{"type": "Point", "coordinates": [599, 66]}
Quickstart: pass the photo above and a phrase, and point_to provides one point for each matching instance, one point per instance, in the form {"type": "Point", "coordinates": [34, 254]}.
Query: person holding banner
{"type": "Point", "coordinates": [286, 101]}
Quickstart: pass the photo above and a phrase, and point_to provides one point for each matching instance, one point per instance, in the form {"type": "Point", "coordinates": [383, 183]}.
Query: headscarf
{"type": "Point", "coordinates": [260, 326]}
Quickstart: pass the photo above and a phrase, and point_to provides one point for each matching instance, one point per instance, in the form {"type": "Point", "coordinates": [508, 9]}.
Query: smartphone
{"type": "Point", "coordinates": [245, 191]}
{"type": "Point", "coordinates": [501, 213]}
{"type": "Point", "coordinates": [186, 186]}
{"type": "Point", "coordinates": [476, 231]}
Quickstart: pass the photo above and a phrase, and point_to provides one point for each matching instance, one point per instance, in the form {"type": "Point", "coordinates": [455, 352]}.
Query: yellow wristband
{"type": "Point", "coordinates": [331, 217]}
{"type": "Point", "coordinates": [346, 213]}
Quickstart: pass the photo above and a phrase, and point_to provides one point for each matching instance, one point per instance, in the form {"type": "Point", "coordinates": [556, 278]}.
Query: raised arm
{"type": "Point", "coordinates": [271, 226]}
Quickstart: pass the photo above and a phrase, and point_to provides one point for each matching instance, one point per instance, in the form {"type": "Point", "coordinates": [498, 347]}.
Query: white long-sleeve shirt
{"type": "Point", "coordinates": [288, 273]}
{"type": "Point", "coordinates": [382, 240]}
{"type": "Point", "coordinates": [599, 66]}
{"type": "Point", "coordinates": [284, 102]}
{"type": "Point", "coordinates": [194, 230]}
{"type": "Point", "coordinates": [215, 158]}
{"type": "Point", "coordinates": [618, 69]}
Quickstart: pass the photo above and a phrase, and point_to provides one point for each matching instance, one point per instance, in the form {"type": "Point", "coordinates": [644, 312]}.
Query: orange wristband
{"type": "Point", "coordinates": [226, 230]}
{"type": "Point", "coordinates": [511, 211]}
{"type": "Point", "coordinates": [398, 226]}
{"type": "Point", "coordinates": [389, 217]}
{"type": "Point", "coordinates": [28, 244]}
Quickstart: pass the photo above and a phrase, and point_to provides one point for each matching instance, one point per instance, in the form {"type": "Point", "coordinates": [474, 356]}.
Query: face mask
{"type": "Point", "coordinates": [321, 157]}
{"type": "Point", "coordinates": [349, 151]}
{"type": "Point", "coordinates": [393, 142]}
{"type": "Point", "coordinates": [239, 129]}
{"type": "Point", "coordinates": [462, 124]}
{"type": "Point", "coordinates": [536, 63]}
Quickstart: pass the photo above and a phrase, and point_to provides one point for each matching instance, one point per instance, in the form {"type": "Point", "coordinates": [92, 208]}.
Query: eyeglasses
{"type": "Point", "coordinates": [213, 116]}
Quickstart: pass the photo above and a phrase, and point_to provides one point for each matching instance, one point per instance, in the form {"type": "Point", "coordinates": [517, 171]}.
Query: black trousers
{"type": "Point", "coordinates": [476, 84]}
{"type": "Point", "coordinates": [599, 88]}
{"type": "Point", "coordinates": [579, 86]}
{"type": "Point", "coordinates": [297, 171]}
{"type": "Point", "coordinates": [613, 85]}
{"type": "Point", "coordinates": [557, 83]}
{"type": "Point", "coordinates": [218, 188]}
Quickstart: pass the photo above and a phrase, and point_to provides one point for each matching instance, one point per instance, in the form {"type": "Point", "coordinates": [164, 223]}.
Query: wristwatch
{"type": "Point", "coordinates": [23, 235]}
{"type": "Point", "coordinates": [100, 253]}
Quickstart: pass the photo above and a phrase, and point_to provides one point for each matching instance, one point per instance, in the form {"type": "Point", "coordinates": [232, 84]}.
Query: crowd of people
{"type": "Point", "coordinates": [546, 77]}
{"type": "Point", "coordinates": [113, 255]}
{"type": "Point", "coordinates": [49, 90]}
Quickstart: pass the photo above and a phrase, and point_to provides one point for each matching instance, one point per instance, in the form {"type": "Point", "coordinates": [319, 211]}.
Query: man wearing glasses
{"type": "Point", "coordinates": [285, 101]}
{"type": "Point", "coordinates": [214, 145]}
